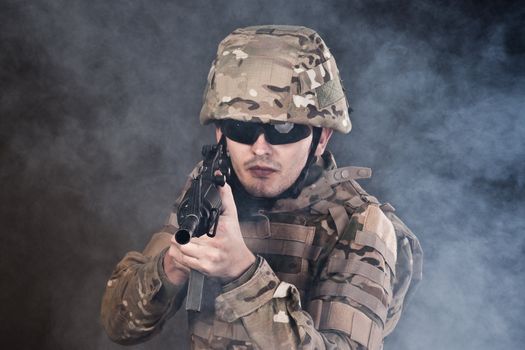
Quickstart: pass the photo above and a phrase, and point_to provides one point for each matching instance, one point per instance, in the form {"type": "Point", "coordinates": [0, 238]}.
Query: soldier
{"type": "Point", "coordinates": [303, 256]}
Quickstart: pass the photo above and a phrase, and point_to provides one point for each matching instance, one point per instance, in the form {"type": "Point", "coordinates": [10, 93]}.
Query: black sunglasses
{"type": "Point", "coordinates": [275, 134]}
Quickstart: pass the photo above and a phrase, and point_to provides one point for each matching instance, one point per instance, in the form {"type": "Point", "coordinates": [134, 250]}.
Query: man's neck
{"type": "Point", "coordinates": [247, 204]}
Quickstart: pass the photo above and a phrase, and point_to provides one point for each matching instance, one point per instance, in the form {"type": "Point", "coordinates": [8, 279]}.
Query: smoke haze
{"type": "Point", "coordinates": [99, 104]}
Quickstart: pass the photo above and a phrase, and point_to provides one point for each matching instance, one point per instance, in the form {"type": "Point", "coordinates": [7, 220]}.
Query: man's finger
{"type": "Point", "coordinates": [228, 204]}
{"type": "Point", "coordinates": [192, 249]}
{"type": "Point", "coordinates": [191, 262]}
{"type": "Point", "coordinates": [175, 256]}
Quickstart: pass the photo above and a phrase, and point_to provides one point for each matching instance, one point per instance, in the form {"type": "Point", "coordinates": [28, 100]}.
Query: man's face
{"type": "Point", "coordinates": [267, 170]}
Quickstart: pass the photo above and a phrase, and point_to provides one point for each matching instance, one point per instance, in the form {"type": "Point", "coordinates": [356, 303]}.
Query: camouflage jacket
{"type": "Point", "coordinates": [333, 269]}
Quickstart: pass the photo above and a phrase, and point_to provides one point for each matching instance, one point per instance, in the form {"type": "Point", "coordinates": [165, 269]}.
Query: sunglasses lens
{"type": "Point", "coordinates": [241, 132]}
{"type": "Point", "coordinates": [278, 134]}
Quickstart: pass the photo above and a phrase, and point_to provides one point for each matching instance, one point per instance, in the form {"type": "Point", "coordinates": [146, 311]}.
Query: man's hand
{"type": "Point", "coordinates": [177, 273]}
{"type": "Point", "coordinates": [224, 256]}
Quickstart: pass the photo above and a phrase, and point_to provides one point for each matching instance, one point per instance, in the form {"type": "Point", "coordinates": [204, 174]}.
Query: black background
{"type": "Point", "coordinates": [99, 105]}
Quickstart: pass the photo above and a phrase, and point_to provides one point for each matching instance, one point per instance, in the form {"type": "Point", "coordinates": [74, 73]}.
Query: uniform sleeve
{"type": "Point", "coordinates": [347, 306]}
{"type": "Point", "coordinates": [138, 296]}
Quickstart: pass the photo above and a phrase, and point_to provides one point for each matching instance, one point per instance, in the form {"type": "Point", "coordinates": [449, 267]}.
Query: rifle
{"type": "Point", "coordinates": [200, 209]}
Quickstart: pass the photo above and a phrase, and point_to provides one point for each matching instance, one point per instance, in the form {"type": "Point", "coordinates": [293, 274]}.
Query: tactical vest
{"type": "Point", "coordinates": [291, 251]}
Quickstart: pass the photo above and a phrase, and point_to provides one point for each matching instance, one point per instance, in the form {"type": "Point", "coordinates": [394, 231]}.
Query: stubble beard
{"type": "Point", "coordinates": [263, 190]}
{"type": "Point", "coordinates": [267, 187]}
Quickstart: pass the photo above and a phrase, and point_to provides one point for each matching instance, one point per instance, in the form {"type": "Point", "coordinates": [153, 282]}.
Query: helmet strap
{"type": "Point", "coordinates": [308, 175]}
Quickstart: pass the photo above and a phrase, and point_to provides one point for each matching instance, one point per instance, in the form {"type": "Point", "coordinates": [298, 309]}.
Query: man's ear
{"type": "Point", "coordinates": [323, 141]}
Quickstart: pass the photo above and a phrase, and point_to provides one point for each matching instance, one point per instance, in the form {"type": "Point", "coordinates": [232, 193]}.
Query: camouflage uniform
{"type": "Point", "coordinates": [326, 277]}
{"type": "Point", "coordinates": [333, 265]}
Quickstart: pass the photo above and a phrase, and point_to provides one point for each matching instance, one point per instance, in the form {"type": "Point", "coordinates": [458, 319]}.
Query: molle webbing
{"type": "Point", "coordinates": [281, 247]}
{"type": "Point", "coordinates": [262, 228]}
{"type": "Point", "coordinates": [283, 239]}
{"type": "Point", "coordinates": [341, 221]}
{"type": "Point", "coordinates": [355, 266]}
{"type": "Point", "coordinates": [371, 239]}
{"type": "Point", "coordinates": [333, 289]}
{"type": "Point", "coordinates": [235, 330]}
{"type": "Point", "coordinates": [280, 239]}
{"type": "Point", "coordinates": [258, 227]}
{"type": "Point", "coordinates": [340, 218]}
{"type": "Point", "coordinates": [332, 315]}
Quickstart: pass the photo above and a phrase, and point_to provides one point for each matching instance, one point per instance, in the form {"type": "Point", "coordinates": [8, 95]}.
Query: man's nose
{"type": "Point", "coordinates": [261, 146]}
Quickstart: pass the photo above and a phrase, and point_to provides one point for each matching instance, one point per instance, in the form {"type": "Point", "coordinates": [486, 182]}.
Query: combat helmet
{"type": "Point", "coordinates": [276, 74]}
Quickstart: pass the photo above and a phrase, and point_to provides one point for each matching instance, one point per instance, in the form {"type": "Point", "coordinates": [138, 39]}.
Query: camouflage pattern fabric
{"type": "Point", "coordinates": [326, 277]}
{"type": "Point", "coordinates": [276, 74]}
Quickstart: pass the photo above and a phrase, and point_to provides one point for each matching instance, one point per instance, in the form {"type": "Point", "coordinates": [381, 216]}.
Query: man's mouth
{"type": "Point", "coordinates": [261, 171]}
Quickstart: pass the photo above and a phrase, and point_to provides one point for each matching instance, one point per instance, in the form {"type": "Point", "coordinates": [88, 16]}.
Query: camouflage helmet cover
{"type": "Point", "coordinates": [275, 74]}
